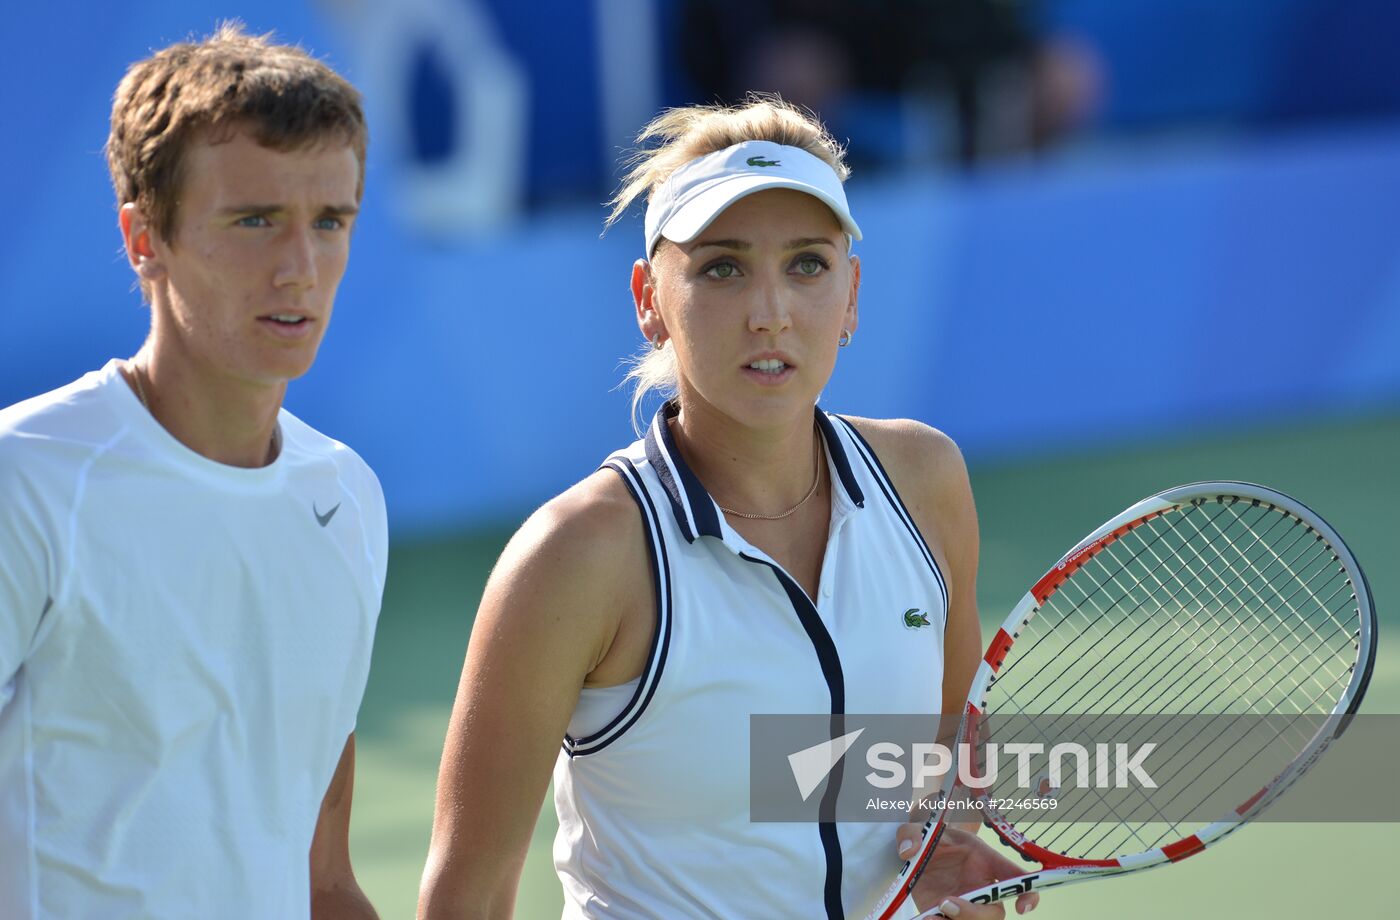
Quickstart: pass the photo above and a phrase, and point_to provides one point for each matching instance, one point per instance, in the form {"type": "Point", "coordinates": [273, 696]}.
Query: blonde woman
{"type": "Point", "coordinates": [749, 554]}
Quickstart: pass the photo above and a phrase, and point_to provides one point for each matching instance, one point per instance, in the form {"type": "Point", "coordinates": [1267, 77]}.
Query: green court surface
{"type": "Point", "coordinates": [1031, 511]}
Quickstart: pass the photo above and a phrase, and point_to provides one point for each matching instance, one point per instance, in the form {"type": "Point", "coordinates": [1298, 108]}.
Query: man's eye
{"type": "Point", "coordinates": [254, 220]}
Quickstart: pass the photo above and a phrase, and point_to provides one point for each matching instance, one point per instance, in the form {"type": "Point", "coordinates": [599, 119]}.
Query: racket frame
{"type": "Point", "coordinates": [1058, 869]}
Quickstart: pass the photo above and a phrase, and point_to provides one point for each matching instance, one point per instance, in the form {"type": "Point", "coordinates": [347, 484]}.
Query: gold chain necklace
{"type": "Point", "coordinates": [816, 481]}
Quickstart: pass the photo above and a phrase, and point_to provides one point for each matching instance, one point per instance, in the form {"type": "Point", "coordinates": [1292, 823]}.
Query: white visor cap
{"type": "Point", "coordinates": [697, 193]}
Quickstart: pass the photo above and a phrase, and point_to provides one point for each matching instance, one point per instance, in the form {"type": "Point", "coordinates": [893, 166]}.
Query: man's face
{"type": "Point", "coordinates": [245, 287]}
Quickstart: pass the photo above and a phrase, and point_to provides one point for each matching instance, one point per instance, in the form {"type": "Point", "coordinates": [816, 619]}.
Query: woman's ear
{"type": "Point", "coordinates": [644, 297]}
{"type": "Point", "coordinates": [853, 303]}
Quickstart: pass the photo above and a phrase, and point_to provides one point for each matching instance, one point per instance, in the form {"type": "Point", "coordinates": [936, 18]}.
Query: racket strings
{"type": "Point", "coordinates": [1288, 726]}
{"type": "Point", "coordinates": [1173, 627]}
{"type": "Point", "coordinates": [1207, 755]}
{"type": "Point", "coordinates": [1176, 830]}
{"type": "Point", "coordinates": [1162, 692]}
{"type": "Point", "coordinates": [1284, 666]}
{"type": "Point", "coordinates": [1322, 554]}
{"type": "Point", "coordinates": [1046, 624]}
{"type": "Point", "coordinates": [1040, 632]}
{"type": "Point", "coordinates": [1170, 633]}
{"type": "Point", "coordinates": [1215, 579]}
{"type": "Point", "coordinates": [1203, 597]}
{"type": "Point", "coordinates": [1302, 578]}
{"type": "Point", "coordinates": [1206, 750]}
{"type": "Point", "coordinates": [1136, 738]}
{"type": "Point", "coordinates": [1229, 608]}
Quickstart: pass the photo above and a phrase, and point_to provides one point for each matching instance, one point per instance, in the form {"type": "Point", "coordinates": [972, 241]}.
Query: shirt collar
{"type": "Point", "coordinates": [696, 512]}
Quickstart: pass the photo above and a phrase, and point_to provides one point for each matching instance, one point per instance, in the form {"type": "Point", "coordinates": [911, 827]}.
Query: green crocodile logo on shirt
{"type": "Point", "coordinates": [760, 161]}
{"type": "Point", "coordinates": [913, 619]}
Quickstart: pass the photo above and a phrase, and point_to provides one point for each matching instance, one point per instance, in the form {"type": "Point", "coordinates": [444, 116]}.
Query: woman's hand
{"type": "Point", "coordinates": [961, 862]}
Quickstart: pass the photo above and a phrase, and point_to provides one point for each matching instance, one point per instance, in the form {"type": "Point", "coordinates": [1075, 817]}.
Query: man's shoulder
{"type": "Point", "coordinates": [73, 422]}
{"type": "Point", "coordinates": [47, 443]}
{"type": "Point", "coordinates": [310, 445]}
{"type": "Point", "coordinates": [58, 409]}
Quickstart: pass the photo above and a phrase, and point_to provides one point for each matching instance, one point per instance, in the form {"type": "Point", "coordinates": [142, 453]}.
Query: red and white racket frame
{"type": "Point", "coordinates": [1055, 868]}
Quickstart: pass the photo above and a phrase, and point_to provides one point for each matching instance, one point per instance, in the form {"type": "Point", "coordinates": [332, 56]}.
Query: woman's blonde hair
{"type": "Point", "coordinates": [680, 135]}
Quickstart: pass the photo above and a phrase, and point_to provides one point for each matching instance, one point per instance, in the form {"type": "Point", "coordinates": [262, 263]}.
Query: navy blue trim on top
{"type": "Point", "coordinates": [837, 452]}
{"type": "Point", "coordinates": [830, 662]}
{"type": "Point", "coordinates": [882, 479]}
{"type": "Point", "coordinates": [689, 498]}
{"type": "Point", "coordinates": [690, 493]}
{"type": "Point", "coordinates": [661, 636]}
{"type": "Point", "coordinates": [668, 482]}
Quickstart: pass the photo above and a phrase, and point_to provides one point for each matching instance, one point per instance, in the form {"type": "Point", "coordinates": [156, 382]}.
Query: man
{"type": "Point", "coordinates": [189, 575]}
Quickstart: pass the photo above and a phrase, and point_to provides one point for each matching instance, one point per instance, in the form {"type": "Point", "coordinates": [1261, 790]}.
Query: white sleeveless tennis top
{"type": "Point", "coordinates": [653, 797]}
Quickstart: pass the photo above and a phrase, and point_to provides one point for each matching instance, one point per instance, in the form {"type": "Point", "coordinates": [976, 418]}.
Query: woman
{"type": "Point", "coordinates": [747, 555]}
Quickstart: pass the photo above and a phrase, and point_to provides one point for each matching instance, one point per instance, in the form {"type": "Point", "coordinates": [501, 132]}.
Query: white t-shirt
{"type": "Point", "coordinates": [183, 650]}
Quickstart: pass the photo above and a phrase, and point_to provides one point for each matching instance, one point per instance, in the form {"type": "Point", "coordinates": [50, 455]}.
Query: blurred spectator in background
{"type": "Point", "coordinates": [909, 81]}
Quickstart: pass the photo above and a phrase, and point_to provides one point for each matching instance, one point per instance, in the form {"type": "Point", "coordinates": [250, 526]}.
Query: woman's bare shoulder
{"type": "Point", "coordinates": [915, 455]}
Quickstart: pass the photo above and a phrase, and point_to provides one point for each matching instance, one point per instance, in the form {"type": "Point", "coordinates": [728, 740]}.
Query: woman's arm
{"type": "Point", "coordinates": [564, 601]}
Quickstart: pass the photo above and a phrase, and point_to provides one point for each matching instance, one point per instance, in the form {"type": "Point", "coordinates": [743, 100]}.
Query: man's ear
{"type": "Point", "coordinates": [141, 246]}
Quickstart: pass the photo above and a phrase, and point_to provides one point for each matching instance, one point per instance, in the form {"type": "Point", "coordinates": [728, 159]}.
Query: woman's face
{"type": "Point", "coordinates": [754, 306]}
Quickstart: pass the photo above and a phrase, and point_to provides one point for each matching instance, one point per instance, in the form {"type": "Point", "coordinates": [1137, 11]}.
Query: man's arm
{"type": "Point", "coordinates": [335, 895]}
{"type": "Point", "coordinates": [27, 576]}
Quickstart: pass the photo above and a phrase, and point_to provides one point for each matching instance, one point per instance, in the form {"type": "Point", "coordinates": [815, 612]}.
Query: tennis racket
{"type": "Point", "coordinates": [1223, 600]}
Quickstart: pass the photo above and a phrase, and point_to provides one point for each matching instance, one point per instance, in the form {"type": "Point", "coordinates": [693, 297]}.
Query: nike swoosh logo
{"type": "Point", "coordinates": [324, 519]}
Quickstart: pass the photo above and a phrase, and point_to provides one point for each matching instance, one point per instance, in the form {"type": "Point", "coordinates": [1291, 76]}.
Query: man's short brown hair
{"type": "Point", "coordinates": [230, 80]}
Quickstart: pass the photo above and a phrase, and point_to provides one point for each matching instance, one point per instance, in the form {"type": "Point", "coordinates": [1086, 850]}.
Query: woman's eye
{"type": "Point", "coordinates": [254, 220]}
{"type": "Point", "coordinates": [810, 265]}
{"type": "Point", "coordinates": [722, 270]}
